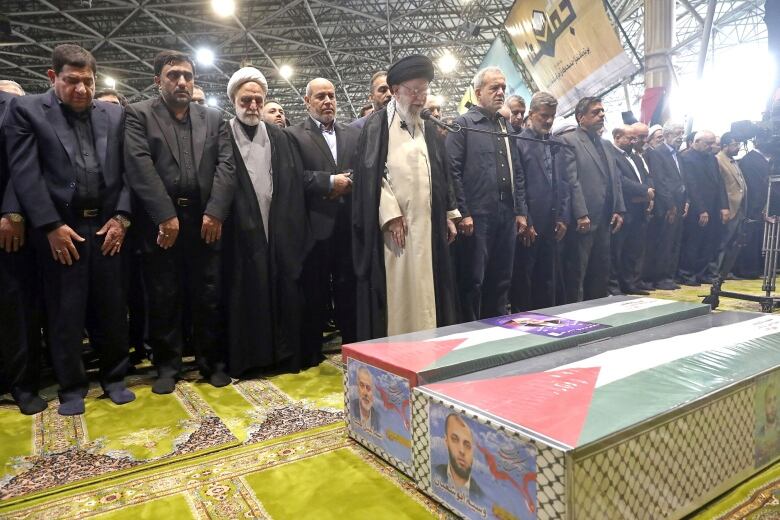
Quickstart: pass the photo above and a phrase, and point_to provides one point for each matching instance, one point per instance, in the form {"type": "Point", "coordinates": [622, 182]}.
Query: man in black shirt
{"type": "Point", "coordinates": [488, 171]}
{"type": "Point", "coordinates": [180, 167]}
{"type": "Point", "coordinates": [65, 158]}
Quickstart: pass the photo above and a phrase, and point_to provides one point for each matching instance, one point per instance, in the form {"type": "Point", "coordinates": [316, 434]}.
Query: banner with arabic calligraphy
{"type": "Point", "coordinates": [569, 47]}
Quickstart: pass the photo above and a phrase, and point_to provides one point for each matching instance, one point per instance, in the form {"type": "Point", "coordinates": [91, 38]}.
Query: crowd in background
{"type": "Point", "coordinates": [160, 229]}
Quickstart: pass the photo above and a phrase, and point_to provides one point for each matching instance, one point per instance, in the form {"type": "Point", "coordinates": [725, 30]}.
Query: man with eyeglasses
{"type": "Point", "coordinates": [180, 167]}
{"type": "Point", "coordinates": [402, 213]}
{"type": "Point", "coordinates": [596, 202]}
{"type": "Point", "coordinates": [628, 245]}
{"type": "Point", "coordinates": [264, 237]}
{"type": "Point", "coordinates": [488, 171]}
{"type": "Point", "coordinates": [325, 147]}
{"type": "Point", "coordinates": [709, 207]}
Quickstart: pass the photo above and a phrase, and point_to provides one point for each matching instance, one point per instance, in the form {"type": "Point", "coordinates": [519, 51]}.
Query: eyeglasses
{"type": "Point", "coordinates": [416, 92]}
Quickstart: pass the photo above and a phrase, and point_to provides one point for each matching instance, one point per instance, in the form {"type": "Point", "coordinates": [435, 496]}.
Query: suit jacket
{"type": "Point", "coordinates": [633, 187]}
{"type": "Point", "coordinates": [9, 204]}
{"type": "Point", "coordinates": [670, 189]}
{"type": "Point", "coordinates": [152, 161]}
{"type": "Point", "coordinates": [355, 410]}
{"type": "Point", "coordinates": [733, 181]}
{"type": "Point", "coordinates": [318, 166]}
{"type": "Point", "coordinates": [596, 189]}
{"type": "Point", "coordinates": [538, 184]}
{"type": "Point", "coordinates": [475, 490]}
{"type": "Point", "coordinates": [755, 168]}
{"type": "Point", "coordinates": [41, 146]}
{"type": "Point", "coordinates": [706, 191]}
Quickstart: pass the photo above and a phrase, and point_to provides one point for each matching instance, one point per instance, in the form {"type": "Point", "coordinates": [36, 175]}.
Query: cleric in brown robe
{"type": "Point", "coordinates": [264, 237]}
{"type": "Point", "coordinates": [403, 212]}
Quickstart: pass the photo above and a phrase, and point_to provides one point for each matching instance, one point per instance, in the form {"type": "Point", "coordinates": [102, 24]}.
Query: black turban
{"type": "Point", "coordinates": [412, 67]}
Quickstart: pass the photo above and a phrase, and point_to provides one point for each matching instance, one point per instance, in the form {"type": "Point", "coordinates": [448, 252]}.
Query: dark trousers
{"type": "Point", "coordinates": [485, 265]}
{"type": "Point", "coordinates": [88, 293]}
{"type": "Point", "coordinates": [189, 271]}
{"type": "Point", "coordinates": [750, 263]}
{"type": "Point", "coordinates": [136, 302]}
{"type": "Point", "coordinates": [587, 263]}
{"type": "Point", "coordinates": [663, 253]}
{"type": "Point", "coordinates": [633, 251]}
{"type": "Point", "coordinates": [532, 276]}
{"type": "Point", "coordinates": [731, 242]}
{"type": "Point", "coordinates": [628, 250]}
{"type": "Point", "coordinates": [20, 327]}
{"type": "Point", "coordinates": [328, 277]}
{"type": "Point", "coordinates": [699, 246]}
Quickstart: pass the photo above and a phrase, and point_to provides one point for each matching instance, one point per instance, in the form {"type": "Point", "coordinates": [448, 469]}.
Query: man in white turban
{"type": "Point", "coordinates": [264, 237]}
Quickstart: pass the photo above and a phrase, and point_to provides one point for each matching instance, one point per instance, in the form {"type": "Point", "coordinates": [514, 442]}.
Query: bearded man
{"type": "Point", "coordinates": [402, 212]}
{"type": "Point", "coordinates": [264, 237]}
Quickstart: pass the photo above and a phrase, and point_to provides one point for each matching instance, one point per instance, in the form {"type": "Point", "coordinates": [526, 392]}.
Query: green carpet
{"type": "Point", "coordinates": [272, 448]}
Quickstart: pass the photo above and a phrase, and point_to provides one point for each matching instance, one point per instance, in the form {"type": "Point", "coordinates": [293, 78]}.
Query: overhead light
{"type": "Point", "coordinates": [447, 63]}
{"type": "Point", "coordinates": [285, 71]}
{"type": "Point", "coordinates": [110, 82]}
{"type": "Point", "coordinates": [212, 101]}
{"type": "Point", "coordinates": [223, 8]}
{"type": "Point", "coordinates": [205, 57]}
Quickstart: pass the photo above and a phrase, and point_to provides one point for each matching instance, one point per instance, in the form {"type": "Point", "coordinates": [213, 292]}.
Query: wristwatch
{"type": "Point", "coordinates": [16, 218]}
{"type": "Point", "coordinates": [122, 220]}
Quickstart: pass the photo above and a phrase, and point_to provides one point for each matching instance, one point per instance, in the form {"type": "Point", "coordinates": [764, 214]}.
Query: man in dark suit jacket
{"type": "Point", "coordinates": [755, 168]}
{"type": "Point", "coordinates": [597, 202]}
{"type": "Point", "coordinates": [536, 251]}
{"type": "Point", "coordinates": [628, 245]}
{"type": "Point", "coordinates": [671, 207]}
{"type": "Point", "coordinates": [702, 226]}
{"type": "Point", "coordinates": [180, 167]}
{"type": "Point", "coordinates": [326, 148]}
{"type": "Point", "coordinates": [19, 317]}
{"type": "Point", "coordinates": [65, 157]}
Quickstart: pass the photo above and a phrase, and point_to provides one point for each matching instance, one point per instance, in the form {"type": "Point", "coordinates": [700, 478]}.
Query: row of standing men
{"type": "Point", "coordinates": [243, 234]}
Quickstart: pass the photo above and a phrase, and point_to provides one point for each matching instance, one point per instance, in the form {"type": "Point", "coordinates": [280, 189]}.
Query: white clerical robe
{"type": "Point", "coordinates": [411, 300]}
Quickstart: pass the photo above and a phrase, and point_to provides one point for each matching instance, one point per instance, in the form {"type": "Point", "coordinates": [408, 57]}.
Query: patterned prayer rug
{"type": "Point", "coordinates": [755, 499]}
{"type": "Point", "coordinates": [48, 452]}
{"type": "Point", "coordinates": [321, 475]}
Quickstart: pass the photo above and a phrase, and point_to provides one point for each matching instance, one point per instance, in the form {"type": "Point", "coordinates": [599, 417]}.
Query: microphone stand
{"type": "Point", "coordinates": [425, 114]}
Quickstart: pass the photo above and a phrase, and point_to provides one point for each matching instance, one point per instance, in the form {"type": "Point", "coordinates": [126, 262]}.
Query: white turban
{"type": "Point", "coordinates": [245, 75]}
{"type": "Point", "coordinates": [653, 129]}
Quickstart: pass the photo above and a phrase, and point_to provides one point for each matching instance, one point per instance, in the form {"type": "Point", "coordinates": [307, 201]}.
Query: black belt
{"type": "Point", "coordinates": [88, 213]}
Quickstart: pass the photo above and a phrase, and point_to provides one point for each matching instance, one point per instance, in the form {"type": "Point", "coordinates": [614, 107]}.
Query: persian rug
{"type": "Point", "coordinates": [321, 475]}
{"type": "Point", "coordinates": [756, 499]}
{"type": "Point", "coordinates": [48, 453]}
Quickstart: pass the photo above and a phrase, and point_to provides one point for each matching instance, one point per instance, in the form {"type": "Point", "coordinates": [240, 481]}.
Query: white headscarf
{"type": "Point", "coordinates": [245, 75]}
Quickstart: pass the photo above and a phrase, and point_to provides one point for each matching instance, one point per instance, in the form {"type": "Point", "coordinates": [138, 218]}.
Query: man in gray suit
{"type": "Point", "coordinates": [597, 205]}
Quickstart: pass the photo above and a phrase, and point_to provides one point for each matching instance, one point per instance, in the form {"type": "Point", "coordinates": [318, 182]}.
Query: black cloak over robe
{"type": "Point", "coordinates": [261, 277]}
{"type": "Point", "coordinates": [367, 240]}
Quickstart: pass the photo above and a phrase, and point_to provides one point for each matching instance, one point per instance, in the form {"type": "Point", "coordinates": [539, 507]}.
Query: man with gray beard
{"type": "Point", "coordinates": [402, 211]}
{"type": "Point", "coordinates": [264, 237]}
{"type": "Point", "coordinates": [325, 147]}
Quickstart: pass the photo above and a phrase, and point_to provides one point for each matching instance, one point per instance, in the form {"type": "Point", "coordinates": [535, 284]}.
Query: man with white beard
{"type": "Point", "coordinates": [264, 237]}
{"type": "Point", "coordinates": [402, 213]}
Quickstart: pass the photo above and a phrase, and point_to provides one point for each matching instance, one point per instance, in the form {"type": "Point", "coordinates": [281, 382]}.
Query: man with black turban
{"type": "Point", "coordinates": [403, 211]}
